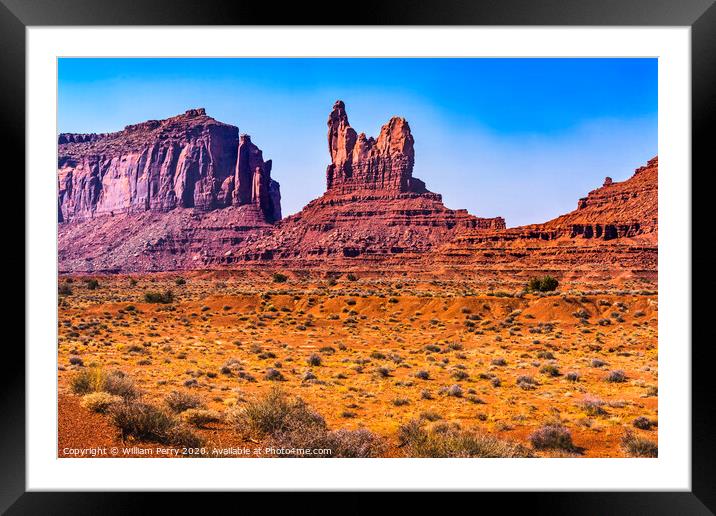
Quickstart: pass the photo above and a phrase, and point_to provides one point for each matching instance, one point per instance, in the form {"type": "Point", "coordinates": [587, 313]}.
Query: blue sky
{"type": "Point", "coordinates": [519, 138]}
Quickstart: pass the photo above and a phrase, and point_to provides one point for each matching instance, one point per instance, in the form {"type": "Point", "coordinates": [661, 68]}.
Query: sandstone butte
{"type": "Point", "coordinates": [189, 193]}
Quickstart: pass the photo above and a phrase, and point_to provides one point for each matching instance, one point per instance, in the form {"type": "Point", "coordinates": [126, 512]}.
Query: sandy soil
{"type": "Point", "coordinates": [373, 337]}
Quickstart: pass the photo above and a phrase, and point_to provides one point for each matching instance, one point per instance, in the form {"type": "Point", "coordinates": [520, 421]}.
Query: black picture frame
{"type": "Point", "coordinates": [700, 15]}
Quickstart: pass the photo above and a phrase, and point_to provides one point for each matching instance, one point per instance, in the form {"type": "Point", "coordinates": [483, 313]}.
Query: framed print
{"type": "Point", "coordinates": [435, 249]}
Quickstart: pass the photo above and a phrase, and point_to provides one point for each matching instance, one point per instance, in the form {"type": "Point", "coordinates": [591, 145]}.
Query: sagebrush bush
{"type": "Point", "coordinates": [99, 402]}
{"type": "Point", "coordinates": [200, 417]}
{"type": "Point", "coordinates": [616, 376]}
{"type": "Point", "coordinates": [553, 437]}
{"type": "Point", "coordinates": [96, 380]}
{"type": "Point", "coordinates": [451, 441]}
{"type": "Point", "coordinates": [165, 297]}
{"type": "Point", "coordinates": [179, 401]}
{"type": "Point", "coordinates": [288, 422]}
{"type": "Point", "coordinates": [637, 446]}
{"type": "Point", "coordinates": [148, 423]}
{"type": "Point", "coordinates": [273, 413]}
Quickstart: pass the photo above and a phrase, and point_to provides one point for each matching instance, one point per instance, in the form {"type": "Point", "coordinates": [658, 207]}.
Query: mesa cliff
{"type": "Point", "coordinates": [187, 161]}
{"type": "Point", "coordinates": [190, 193]}
{"type": "Point", "coordinates": [160, 195]}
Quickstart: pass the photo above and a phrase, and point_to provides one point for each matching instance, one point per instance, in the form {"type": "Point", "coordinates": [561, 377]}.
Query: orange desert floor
{"type": "Point", "coordinates": [389, 351]}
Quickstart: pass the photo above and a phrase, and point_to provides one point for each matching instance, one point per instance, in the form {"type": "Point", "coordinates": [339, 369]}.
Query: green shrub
{"type": "Point", "coordinates": [542, 284]}
{"type": "Point", "coordinates": [165, 297]}
{"type": "Point", "coordinates": [279, 278]}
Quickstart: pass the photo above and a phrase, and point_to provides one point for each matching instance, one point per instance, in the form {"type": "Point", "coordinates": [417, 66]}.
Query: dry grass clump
{"type": "Point", "coordinates": [444, 440]}
{"type": "Point", "coordinates": [96, 380]}
{"type": "Point", "coordinates": [200, 417]}
{"type": "Point", "coordinates": [289, 423]}
{"type": "Point", "coordinates": [552, 437]}
{"type": "Point", "coordinates": [637, 446]}
{"type": "Point", "coordinates": [179, 401]}
{"type": "Point", "coordinates": [99, 402]}
{"type": "Point", "coordinates": [146, 422]}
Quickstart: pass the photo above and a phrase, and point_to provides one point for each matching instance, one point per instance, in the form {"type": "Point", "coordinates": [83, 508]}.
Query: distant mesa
{"type": "Point", "coordinates": [189, 192]}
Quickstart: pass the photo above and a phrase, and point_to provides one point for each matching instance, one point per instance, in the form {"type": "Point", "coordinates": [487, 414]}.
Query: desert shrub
{"type": "Point", "coordinates": [643, 423]}
{"type": "Point", "coordinates": [274, 413]}
{"type": "Point", "coordinates": [314, 360]}
{"type": "Point", "coordinates": [352, 277]}
{"type": "Point", "coordinates": [87, 381]}
{"type": "Point", "coordinates": [573, 376]}
{"type": "Point", "coordinates": [451, 441]}
{"type": "Point", "coordinates": [550, 370]}
{"type": "Point", "coordinates": [459, 375]}
{"type": "Point", "coordinates": [542, 284]}
{"type": "Point", "coordinates": [616, 376]}
{"type": "Point", "coordinates": [200, 417]}
{"type": "Point", "coordinates": [279, 278]}
{"type": "Point", "coordinates": [593, 406]}
{"type": "Point", "coordinates": [180, 281]}
{"type": "Point", "coordinates": [274, 375]}
{"type": "Point", "coordinates": [637, 446]}
{"type": "Point", "coordinates": [553, 437]}
{"type": "Point", "coordinates": [165, 297]}
{"type": "Point", "coordinates": [399, 402]}
{"type": "Point", "coordinates": [360, 443]}
{"type": "Point", "coordinates": [92, 284]}
{"type": "Point", "coordinates": [455, 391]}
{"type": "Point", "coordinates": [383, 372]}
{"type": "Point", "coordinates": [64, 290]}
{"type": "Point", "coordinates": [118, 383]}
{"type": "Point", "coordinates": [423, 375]}
{"type": "Point", "coordinates": [75, 360]}
{"type": "Point", "coordinates": [179, 401]}
{"type": "Point", "coordinates": [99, 401]}
{"type": "Point", "coordinates": [149, 423]}
{"type": "Point", "coordinates": [526, 382]}
{"type": "Point", "coordinates": [596, 362]}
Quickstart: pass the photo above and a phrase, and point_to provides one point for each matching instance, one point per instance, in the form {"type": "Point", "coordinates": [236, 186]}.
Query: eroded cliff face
{"type": "Point", "coordinates": [613, 233]}
{"type": "Point", "coordinates": [187, 161]}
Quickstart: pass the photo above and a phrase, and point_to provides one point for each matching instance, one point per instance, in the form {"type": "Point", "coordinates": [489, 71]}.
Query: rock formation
{"type": "Point", "coordinates": [613, 231]}
{"type": "Point", "coordinates": [161, 195]}
{"type": "Point", "coordinates": [359, 163]}
{"type": "Point", "coordinates": [187, 161]}
{"type": "Point", "coordinates": [373, 207]}
{"type": "Point", "coordinates": [190, 193]}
